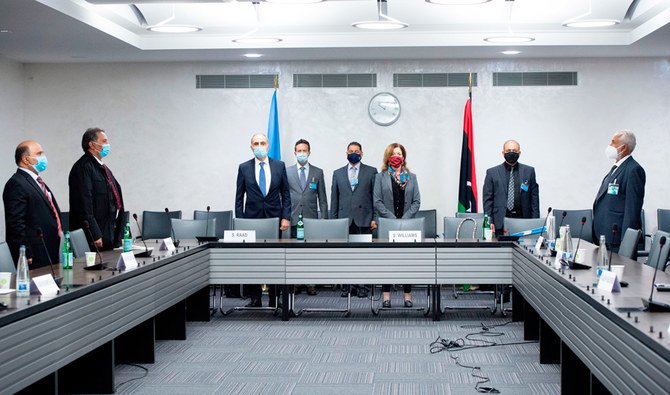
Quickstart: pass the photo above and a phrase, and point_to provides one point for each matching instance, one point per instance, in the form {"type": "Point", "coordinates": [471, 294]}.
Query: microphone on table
{"type": "Point", "coordinates": [574, 265]}
{"type": "Point", "coordinates": [97, 266]}
{"type": "Point", "coordinates": [40, 234]}
{"type": "Point", "coordinates": [563, 215]}
{"type": "Point", "coordinates": [545, 226]}
{"type": "Point", "coordinates": [615, 228]}
{"type": "Point", "coordinates": [650, 305]}
{"type": "Point", "coordinates": [207, 237]}
{"type": "Point", "coordinates": [174, 239]}
{"type": "Point", "coordinates": [147, 252]}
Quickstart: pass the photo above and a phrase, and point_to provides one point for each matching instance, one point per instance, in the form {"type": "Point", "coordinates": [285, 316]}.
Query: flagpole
{"type": "Point", "coordinates": [470, 85]}
{"type": "Point", "coordinates": [276, 83]}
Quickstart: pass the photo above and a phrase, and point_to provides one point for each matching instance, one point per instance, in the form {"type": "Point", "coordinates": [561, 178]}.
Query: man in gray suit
{"type": "Point", "coordinates": [510, 189]}
{"type": "Point", "coordinates": [351, 197]}
{"type": "Point", "coordinates": [308, 192]}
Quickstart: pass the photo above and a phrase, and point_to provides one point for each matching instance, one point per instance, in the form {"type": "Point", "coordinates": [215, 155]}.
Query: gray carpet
{"type": "Point", "coordinates": [326, 353]}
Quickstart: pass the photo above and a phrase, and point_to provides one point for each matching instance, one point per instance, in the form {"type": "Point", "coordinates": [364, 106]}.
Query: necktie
{"type": "Point", "coordinates": [110, 181]}
{"type": "Point", "coordinates": [261, 179]}
{"type": "Point", "coordinates": [510, 191]}
{"type": "Point", "coordinates": [303, 178]}
{"type": "Point", "coordinates": [612, 170]}
{"type": "Point", "coordinates": [51, 203]}
{"type": "Point", "coordinates": [353, 176]}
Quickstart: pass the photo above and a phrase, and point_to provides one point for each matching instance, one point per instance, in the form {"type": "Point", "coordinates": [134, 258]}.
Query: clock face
{"type": "Point", "coordinates": [384, 109]}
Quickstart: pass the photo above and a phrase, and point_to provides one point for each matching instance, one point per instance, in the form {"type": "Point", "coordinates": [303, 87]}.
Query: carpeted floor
{"type": "Point", "coordinates": [327, 353]}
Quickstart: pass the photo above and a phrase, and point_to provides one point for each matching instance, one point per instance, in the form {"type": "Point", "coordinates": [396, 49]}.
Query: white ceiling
{"type": "Point", "coordinates": [81, 31]}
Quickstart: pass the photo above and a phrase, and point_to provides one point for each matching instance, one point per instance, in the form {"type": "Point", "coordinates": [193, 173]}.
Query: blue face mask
{"type": "Point", "coordinates": [41, 164]}
{"type": "Point", "coordinates": [302, 157]}
{"type": "Point", "coordinates": [260, 152]}
{"type": "Point", "coordinates": [353, 158]}
{"type": "Point", "coordinates": [105, 150]}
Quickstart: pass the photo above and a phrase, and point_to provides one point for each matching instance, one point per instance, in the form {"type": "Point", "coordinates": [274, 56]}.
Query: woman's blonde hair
{"type": "Point", "coordinates": [388, 152]}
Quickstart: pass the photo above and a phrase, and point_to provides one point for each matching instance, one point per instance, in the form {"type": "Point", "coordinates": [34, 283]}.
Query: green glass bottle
{"type": "Point", "coordinates": [127, 238]}
{"type": "Point", "coordinates": [300, 228]}
{"type": "Point", "coordinates": [67, 256]}
{"type": "Point", "coordinates": [485, 226]}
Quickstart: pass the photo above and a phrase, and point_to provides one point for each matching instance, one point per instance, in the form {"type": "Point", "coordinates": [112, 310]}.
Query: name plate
{"type": "Point", "coordinates": [538, 245]}
{"type": "Point", "coordinates": [239, 236]}
{"type": "Point", "coordinates": [126, 261]}
{"type": "Point", "coordinates": [609, 282]}
{"type": "Point", "coordinates": [44, 285]}
{"type": "Point", "coordinates": [404, 236]}
{"type": "Point", "coordinates": [167, 245]}
{"type": "Point", "coordinates": [360, 238]}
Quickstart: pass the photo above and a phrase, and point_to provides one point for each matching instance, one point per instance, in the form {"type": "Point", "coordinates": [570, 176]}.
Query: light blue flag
{"type": "Point", "coordinates": [273, 130]}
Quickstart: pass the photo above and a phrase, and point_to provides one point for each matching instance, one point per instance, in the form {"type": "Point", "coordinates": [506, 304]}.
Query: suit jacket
{"type": "Point", "coordinates": [623, 209]}
{"type": "Point", "coordinates": [383, 196]}
{"type": "Point", "coordinates": [277, 201]}
{"type": "Point", "coordinates": [26, 209]}
{"type": "Point", "coordinates": [357, 204]}
{"type": "Point", "coordinates": [92, 199]}
{"type": "Point", "coordinates": [495, 194]}
{"type": "Point", "coordinates": [305, 200]}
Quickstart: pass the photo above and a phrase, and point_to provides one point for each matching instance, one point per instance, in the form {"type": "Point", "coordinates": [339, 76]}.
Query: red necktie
{"type": "Point", "coordinates": [51, 203]}
{"type": "Point", "coordinates": [113, 186]}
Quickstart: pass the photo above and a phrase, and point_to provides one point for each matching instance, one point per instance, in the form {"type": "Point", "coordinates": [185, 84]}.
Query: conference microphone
{"type": "Point", "coordinates": [615, 228]}
{"type": "Point", "coordinates": [574, 265]}
{"type": "Point", "coordinates": [650, 305]}
{"type": "Point", "coordinates": [174, 239]}
{"type": "Point", "coordinates": [545, 228]}
{"type": "Point", "coordinates": [563, 215]}
{"type": "Point", "coordinates": [97, 266]}
{"type": "Point", "coordinates": [147, 252]}
{"type": "Point", "coordinates": [207, 237]}
{"type": "Point", "coordinates": [40, 234]}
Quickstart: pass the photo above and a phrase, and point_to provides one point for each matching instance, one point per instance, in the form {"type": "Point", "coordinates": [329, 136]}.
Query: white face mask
{"type": "Point", "coordinates": [612, 153]}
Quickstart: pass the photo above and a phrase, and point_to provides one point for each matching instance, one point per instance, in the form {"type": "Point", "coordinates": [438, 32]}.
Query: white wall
{"type": "Point", "coordinates": [176, 146]}
{"type": "Point", "coordinates": [11, 121]}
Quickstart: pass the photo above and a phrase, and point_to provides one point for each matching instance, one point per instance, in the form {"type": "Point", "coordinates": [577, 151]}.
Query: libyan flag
{"type": "Point", "coordinates": [467, 185]}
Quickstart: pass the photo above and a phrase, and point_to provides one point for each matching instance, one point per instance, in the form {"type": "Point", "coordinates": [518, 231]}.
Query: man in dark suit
{"type": "Point", "coordinates": [31, 210]}
{"type": "Point", "coordinates": [264, 183]}
{"type": "Point", "coordinates": [621, 193]}
{"type": "Point", "coordinates": [510, 189]}
{"type": "Point", "coordinates": [95, 195]}
{"type": "Point", "coordinates": [308, 192]}
{"type": "Point", "coordinates": [351, 197]}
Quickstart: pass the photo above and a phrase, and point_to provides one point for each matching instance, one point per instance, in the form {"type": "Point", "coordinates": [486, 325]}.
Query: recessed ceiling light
{"type": "Point", "coordinates": [592, 23]}
{"type": "Point", "coordinates": [293, 1]}
{"type": "Point", "coordinates": [174, 28]}
{"type": "Point", "coordinates": [252, 55]}
{"type": "Point", "coordinates": [257, 40]}
{"type": "Point", "coordinates": [457, 2]}
{"type": "Point", "coordinates": [509, 39]}
{"type": "Point", "coordinates": [380, 25]}
{"type": "Point", "coordinates": [510, 52]}
{"type": "Point", "coordinates": [5, 31]}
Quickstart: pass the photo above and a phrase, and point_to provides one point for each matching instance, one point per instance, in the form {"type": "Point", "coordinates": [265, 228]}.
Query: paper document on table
{"type": "Point", "coordinates": [6, 291]}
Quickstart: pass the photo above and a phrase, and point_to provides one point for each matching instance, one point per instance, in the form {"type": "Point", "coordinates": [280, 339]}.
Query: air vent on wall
{"type": "Point", "coordinates": [334, 80]}
{"type": "Point", "coordinates": [432, 80]}
{"type": "Point", "coordinates": [237, 81]}
{"type": "Point", "coordinates": [542, 78]}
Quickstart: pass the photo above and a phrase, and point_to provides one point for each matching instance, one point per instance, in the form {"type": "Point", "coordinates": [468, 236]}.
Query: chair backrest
{"type": "Point", "coordinates": [79, 243]}
{"type": "Point", "coordinates": [65, 220]}
{"type": "Point", "coordinates": [430, 224]}
{"type": "Point", "coordinates": [478, 216]}
{"type": "Point", "coordinates": [266, 228]}
{"type": "Point", "coordinates": [656, 254]}
{"type": "Point", "coordinates": [574, 219]}
{"type": "Point", "coordinates": [388, 224]}
{"type": "Point", "coordinates": [326, 229]}
{"type": "Point", "coordinates": [192, 228]}
{"type": "Point", "coordinates": [224, 220]}
{"type": "Point", "coordinates": [6, 260]}
{"type": "Point", "coordinates": [642, 243]}
{"type": "Point", "coordinates": [451, 225]}
{"type": "Point", "coordinates": [515, 225]}
{"type": "Point", "coordinates": [663, 216]}
{"type": "Point", "coordinates": [628, 246]}
{"type": "Point", "coordinates": [156, 224]}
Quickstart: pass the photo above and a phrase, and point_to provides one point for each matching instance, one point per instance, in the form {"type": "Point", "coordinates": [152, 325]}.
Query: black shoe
{"type": "Point", "coordinates": [386, 304]}
{"type": "Point", "coordinates": [254, 303]}
{"type": "Point", "coordinates": [362, 293]}
{"type": "Point", "coordinates": [354, 291]}
{"type": "Point", "coordinates": [297, 290]}
{"type": "Point", "coordinates": [408, 303]}
{"type": "Point", "coordinates": [311, 291]}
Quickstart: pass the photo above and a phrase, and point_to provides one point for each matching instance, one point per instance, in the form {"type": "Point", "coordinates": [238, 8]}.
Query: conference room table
{"type": "Point", "coordinates": [70, 342]}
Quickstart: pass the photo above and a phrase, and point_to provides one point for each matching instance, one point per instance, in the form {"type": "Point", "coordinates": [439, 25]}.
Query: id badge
{"type": "Point", "coordinates": [312, 185]}
{"type": "Point", "coordinates": [612, 189]}
{"type": "Point", "coordinates": [524, 186]}
{"type": "Point", "coordinates": [354, 182]}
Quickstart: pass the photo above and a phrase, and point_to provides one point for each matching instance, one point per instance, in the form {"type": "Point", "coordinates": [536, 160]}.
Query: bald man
{"type": "Point", "coordinates": [510, 189]}
{"type": "Point", "coordinates": [31, 210]}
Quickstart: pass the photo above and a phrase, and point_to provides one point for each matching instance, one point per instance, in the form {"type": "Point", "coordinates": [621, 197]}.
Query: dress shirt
{"type": "Point", "coordinates": [34, 177]}
{"type": "Point", "coordinates": [266, 168]}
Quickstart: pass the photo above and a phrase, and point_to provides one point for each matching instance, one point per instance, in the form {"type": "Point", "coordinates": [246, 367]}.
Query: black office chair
{"type": "Point", "coordinates": [6, 261]}
{"type": "Point", "coordinates": [574, 219]}
{"type": "Point", "coordinates": [65, 220]}
{"type": "Point", "coordinates": [642, 244]}
{"type": "Point", "coordinates": [224, 220]}
{"type": "Point", "coordinates": [156, 224]}
{"type": "Point", "coordinates": [478, 216]}
{"type": "Point", "coordinates": [430, 222]}
{"type": "Point", "coordinates": [658, 256]}
{"type": "Point", "coordinates": [79, 243]}
{"type": "Point", "coordinates": [629, 242]}
{"type": "Point", "coordinates": [517, 225]}
{"type": "Point", "coordinates": [193, 228]}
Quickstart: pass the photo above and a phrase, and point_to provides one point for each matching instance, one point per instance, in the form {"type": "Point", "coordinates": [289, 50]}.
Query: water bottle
{"type": "Point", "coordinates": [127, 238]}
{"type": "Point", "coordinates": [603, 258]}
{"type": "Point", "coordinates": [300, 229]}
{"type": "Point", "coordinates": [67, 256]}
{"type": "Point", "coordinates": [568, 249]}
{"type": "Point", "coordinates": [22, 274]}
{"type": "Point", "coordinates": [551, 231]}
{"type": "Point", "coordinates": [486, 229]}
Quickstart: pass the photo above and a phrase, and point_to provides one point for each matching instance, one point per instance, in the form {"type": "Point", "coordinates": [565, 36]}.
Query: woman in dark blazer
{"type": "Point", "coordinates": [396, 195]}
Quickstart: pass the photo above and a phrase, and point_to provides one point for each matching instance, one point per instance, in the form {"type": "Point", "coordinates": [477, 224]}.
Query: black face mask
{"type": "Point", "coordinates": [511, 157]}
{"type": "Point", "coordinates": [353, 158]}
